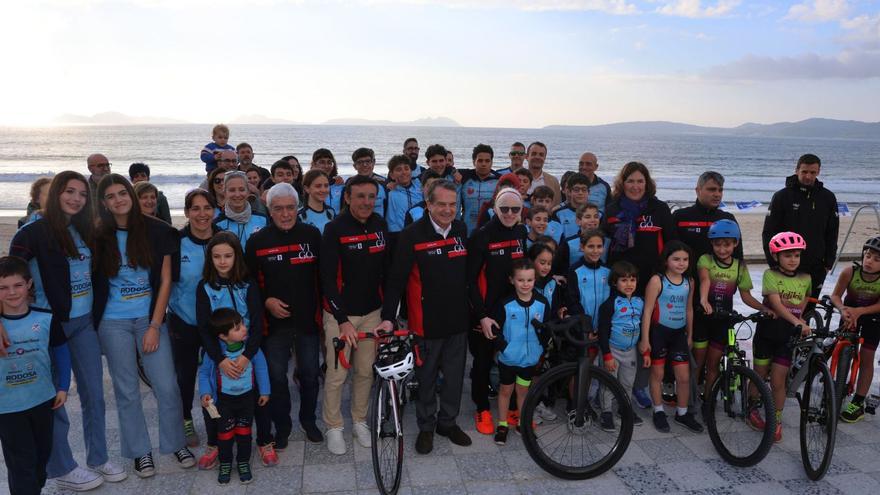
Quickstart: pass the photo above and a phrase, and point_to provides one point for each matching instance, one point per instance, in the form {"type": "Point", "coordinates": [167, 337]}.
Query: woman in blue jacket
{"type": "Point", "coordinates": [237, 216]}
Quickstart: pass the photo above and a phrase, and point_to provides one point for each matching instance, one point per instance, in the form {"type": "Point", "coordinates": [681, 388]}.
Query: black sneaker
{"type": "Point", "coordinates": [425, 442]}
{"type": "Point", "coordinates": [244, 473]}
{"type": "Point", "coordinates": [313, 434]}
{"type": "Point", "coordinates": [853, 412]}
{"type": "Point", "coordinates": [144, 466]}
{"type": "Point", "coordinates": [689, 421]}
{"type": "Point", "coordinates": [501, 435]}
{"type": "Point", "coordinates": [637, 420]}
{"type": "Point", "coordinates": [606, 421]}
{"type": "Point", "coordinates": [455, 435]}
{"type": "Point", "coordinates": [225, 473]}
{"type": "Point", "coordinates": [660, 422]}
{"type": "Point", "coordinates": [185, 458]}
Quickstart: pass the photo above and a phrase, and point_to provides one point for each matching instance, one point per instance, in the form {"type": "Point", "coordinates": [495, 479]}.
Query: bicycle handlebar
{"type": "Point", "coordinates": [738, 317]}
{"type": "Point", "coordinates": [582, 324]}
{"type": "Point", "coordinates": [339, 345]}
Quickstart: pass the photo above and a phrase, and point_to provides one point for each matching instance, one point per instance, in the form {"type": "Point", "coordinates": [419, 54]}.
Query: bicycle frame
{"type": "Point", "coordinates": [794, 382]}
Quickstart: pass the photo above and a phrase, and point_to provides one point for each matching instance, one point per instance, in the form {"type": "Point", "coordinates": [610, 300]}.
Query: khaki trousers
{"type": "Point", "coordinates": [361, 361]}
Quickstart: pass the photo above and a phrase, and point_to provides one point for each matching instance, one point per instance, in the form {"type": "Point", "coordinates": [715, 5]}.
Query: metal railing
{"type": "Point", "coordinates": [849, 231]}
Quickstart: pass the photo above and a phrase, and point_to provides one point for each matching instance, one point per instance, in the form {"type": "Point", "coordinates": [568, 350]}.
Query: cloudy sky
{"type": "Point", "coordinates": [501, 63]}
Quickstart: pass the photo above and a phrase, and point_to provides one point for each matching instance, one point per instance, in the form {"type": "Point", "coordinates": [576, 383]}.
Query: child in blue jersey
{"type": "Point", "coordinates": [587, 286]}
{"type": "Point", "coordinates": [219, 142]}
{"type": "Point", "coordinates": [35, 378]}
{"type": "Point", "coordinates": [233, 397]}
{"type": "Point", "coordinates": [587, 219]}
{"type": "Point", "coordinates": [536, 221]}
{"type": "Point", "coordinates": [621, 318]}
{"type": "Point", "coordinates": [525, 183]}
{"type": "Point", "coordinates": [407, 193]}
{"type": "Point", "coordinates": [543, 196]}
{"type": "Point", "coordinates": [577, 195]}
{"type": "Point", "coordinates": [667, 332]}
{"type": "Point", "coordinates": [418, 210]}
{"type": "Point", "coordinates": [315, 211]}
{"type": "Point", "coordinates": [518, 346]}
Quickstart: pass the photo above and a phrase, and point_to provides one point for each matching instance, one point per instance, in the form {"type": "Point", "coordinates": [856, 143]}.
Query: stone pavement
{"type": "Point", "coordinates": [680, 462]}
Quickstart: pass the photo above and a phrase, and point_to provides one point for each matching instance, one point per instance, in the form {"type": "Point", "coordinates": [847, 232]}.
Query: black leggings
{"type": "Point", "coordinates": [186, 345]}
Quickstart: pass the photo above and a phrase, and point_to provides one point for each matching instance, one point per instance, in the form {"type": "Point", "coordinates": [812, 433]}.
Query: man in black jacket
{"type": "Point", "coordinates": [430, 261]}
{"type": "Point", "coordinates": [806, 207]}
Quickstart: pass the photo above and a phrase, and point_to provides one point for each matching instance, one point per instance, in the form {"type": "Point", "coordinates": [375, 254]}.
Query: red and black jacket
{"type": "Point", "coordinates": [354, 257]}
{"type": "Point", "coordinates": [692, 227]}
{"type": "Point", "coordinates": [654, 228]}
{"type": "Point", "coordinates": [285, 266]}
{"type": "Point", "coordinates": [433, 271]}
{"type": "Point", "coordinates": [491, 251]}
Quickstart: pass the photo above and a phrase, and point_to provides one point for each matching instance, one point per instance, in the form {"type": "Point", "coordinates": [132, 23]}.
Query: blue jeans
{"type": "Point", "coordinates": [121, 339]}
{"type": "Point", "coordinates": [85, 356]}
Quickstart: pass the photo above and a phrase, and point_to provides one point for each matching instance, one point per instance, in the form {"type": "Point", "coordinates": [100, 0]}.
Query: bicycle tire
{"type": "Point", "coordinates": [841, 376]}
{"type": "Point", "coordinates": [818, 421]}
{"type": "Point", "coordinates": [142, 373]}
{"type": "Point", "coordinates": [536, 439]}
{"type": "Point", "coordinates": [386, 436]}
{"type": "Point", "coordinates": [815, 320]}
{"type": "Point", "coordinates": [726, 438]}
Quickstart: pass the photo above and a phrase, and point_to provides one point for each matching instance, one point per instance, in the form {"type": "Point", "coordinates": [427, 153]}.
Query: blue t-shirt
{"type": "Point", "coordinates": [130, 291]}
{"type": "Point", "coordinates": [81, 294]}
{"type": "Point", "coordinates": [319, 219]}
{"type": "Point", "coordinates": [671, 308]}
{"type": "Point", "coordinates": [27, 368]}
{"type": "Point", "coordinates": [183, 291]}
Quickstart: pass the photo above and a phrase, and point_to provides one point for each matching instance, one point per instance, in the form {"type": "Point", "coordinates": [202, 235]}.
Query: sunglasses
{"type": "Point", "coordinates": [510, 209]}
{"type": "Point", "coordinates": [517, 153]}
{"type": "Point", "coordinates": [218, 180]}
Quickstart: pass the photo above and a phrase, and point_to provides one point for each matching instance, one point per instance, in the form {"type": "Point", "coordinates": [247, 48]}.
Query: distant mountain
{"type": "Point", "coordinates": [810, 128]}
{"type": "Point", "coordinates": [115, 118]}
{"type": "Point", "coordinates": [256, 118]}
{"type": "Point", "coordinates": [425, 122]}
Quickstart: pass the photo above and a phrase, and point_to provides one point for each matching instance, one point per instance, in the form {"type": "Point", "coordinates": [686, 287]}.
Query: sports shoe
{"type": "Point", "coordinates": [335, 441]}
{"type": "Point", "coordinates": [642, 398]}
{"type": "Point", "coordinates": [110, 472]}
{"type": "Point", "coordinates": [362, 434]}
{"type": "Point", "coordinates": [853, 412]}
{"type": "Point", "coordinates": [606, 421]}
{"type": "Point", "coordinates": [660, 422]}
{"type": "Point", "coordinates": [484, 422]}
{"type": "Point", "coordinates": [637, 420]}
{"type": "Point", "coordinates": [777, 435]}
{"type": "Point", "coordinates": [208, 460]}
{"type": "Point", "coordinates": [225, 473]}
{"type": "Point", "coordinates": [755, 421]}
{"type": "Point", "coordinates": [80, 480]}
{"type": "Point", "coordinates": [144, 466]}
{"type": "Point", "coordinates": [545, 413]}
{"type": "Point", "coordinates": [244, 473]}
{"type": "Point", "coordinates": [513, 418]}
{"type": "Point", "coordinates": [689, 421]}
{"type": "Point", "coordinates": [455, 435]}
{"type": "Point", "coordinates": [501, 435]}
{"type": "Point", "coordinates": [313, 434]}
{"type": "Point", "coordinates": [267, 454]}
{"type": "Point", "coordinates": [185, 458]}
{"type": "Point", "coordinates": [189, 429]}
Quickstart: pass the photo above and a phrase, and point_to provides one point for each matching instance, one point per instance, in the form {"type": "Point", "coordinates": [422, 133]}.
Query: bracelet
{"type": "Point", "coordinates": [154, 325]}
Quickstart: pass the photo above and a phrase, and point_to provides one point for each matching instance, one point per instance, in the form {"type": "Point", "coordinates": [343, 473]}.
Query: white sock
{"type": "Point", "coordinates": [658, 408]}
{"type": "Point", "coordinates": [681, 411]}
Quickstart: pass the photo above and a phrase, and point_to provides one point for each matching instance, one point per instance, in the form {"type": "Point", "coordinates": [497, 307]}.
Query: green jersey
{"type": "Point", "coordinates": [724, 280]}
{"type": "Point", "coordinates": [791, 289]}
{"type": "Point", "coordinates": [860, 292]}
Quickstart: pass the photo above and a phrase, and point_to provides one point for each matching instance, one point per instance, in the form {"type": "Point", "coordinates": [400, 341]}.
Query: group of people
{"type": "Point", "coordinates": [274, 264]}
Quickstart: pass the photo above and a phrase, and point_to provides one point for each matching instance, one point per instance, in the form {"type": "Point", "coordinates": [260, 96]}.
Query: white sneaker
{"type": "Point", "coordinates": [79, 480]}
{"type": "Point", "coordinates": [111, 472]}
{"type": "Point", "coordinates": [545, 413]}
{"type": "Point", "coordinates": [335, 441]}
{"type": "Point", "coordinates": [362, 433]}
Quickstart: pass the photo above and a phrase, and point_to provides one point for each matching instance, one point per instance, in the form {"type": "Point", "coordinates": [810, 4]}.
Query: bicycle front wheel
{"type": "Point", "coordinates": [572, 447]}
{"type": "Point", "coordinates": [727, 416]}
{"type": "Point", "coordinates": [818, 426]}
{"type": "Point", "coordinates": [386, 432]}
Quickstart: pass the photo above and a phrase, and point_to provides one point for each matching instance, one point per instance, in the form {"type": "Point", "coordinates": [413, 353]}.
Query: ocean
{"type": "Point", "coordinates": [755, 167]}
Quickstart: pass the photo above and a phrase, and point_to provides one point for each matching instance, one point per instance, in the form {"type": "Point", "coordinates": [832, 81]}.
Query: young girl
{"type": "Point", "coordinates": [720, 276]}
{"type": "Point", "coordinates": [132, 284]}
{"type": "Point", "coordinates": [315, 211]}
{"type": "Point", "coordinates": [518, 346]}
{"type": "Point", "coordinates": [785, 291]}
{"type": "Point", "coordinates": [667, 326]}
{"type": "Point", "coordinates": [588, 279]}
{"type": "Point", "coordinates": [226, 284]}
{"type": "Point", "coordinates": [861, 312]}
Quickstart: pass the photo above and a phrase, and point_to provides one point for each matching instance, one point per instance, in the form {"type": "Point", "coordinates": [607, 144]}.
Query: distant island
{"type": "Point", "coordinates": [425, 122]}
{"type": "Point", "coordinates": [809, 128]}
{"type": "Point", "coordinates": [114, 118]}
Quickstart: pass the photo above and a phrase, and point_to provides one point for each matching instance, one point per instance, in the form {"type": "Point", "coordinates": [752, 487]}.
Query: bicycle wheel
{"type": "Point", "coordinates": [814, 319]}
{"type": "Point", "coordinates": [727, 412]}
{"type": "Point", "coordinates": [387, 436]}
{"type": "Point", "coordinates": [818, 426]}
{"type": "Point", "coordinates": [841, 375]}
{"type": "Point", "coordinates": [570, 448]}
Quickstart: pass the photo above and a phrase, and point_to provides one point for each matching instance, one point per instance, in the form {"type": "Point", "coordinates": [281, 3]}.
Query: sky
{"type": "Point", "coordinates": [487, 63]}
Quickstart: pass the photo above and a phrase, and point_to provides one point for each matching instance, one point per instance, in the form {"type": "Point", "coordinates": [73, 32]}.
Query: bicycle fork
{"type": "Point", "coordinates": [581, 393]}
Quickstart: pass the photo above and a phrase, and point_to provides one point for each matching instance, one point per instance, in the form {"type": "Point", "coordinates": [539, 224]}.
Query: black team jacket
{"type": "Point", "coordinates": [491, 251]}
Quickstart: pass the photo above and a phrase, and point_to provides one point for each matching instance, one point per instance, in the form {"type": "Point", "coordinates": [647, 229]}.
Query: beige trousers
{"type": "Point", "coordinates": [361, 363]}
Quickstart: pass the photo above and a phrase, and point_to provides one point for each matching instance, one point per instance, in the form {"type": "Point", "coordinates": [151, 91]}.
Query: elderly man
{"type": "Point", "coordinates": [284, 257]}
{"type": "Point", "coordinates": [98, 166]}
{"type": "Point", "coordinates": [536, 154]}
{"type": "Point", "coordinates": [227, 160]}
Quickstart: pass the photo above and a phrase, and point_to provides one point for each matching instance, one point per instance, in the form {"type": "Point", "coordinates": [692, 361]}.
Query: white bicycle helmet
{"type": "Point", "coordinates": [395, 369]}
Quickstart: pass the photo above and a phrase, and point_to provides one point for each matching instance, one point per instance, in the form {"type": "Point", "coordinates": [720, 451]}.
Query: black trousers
{"type": "Point", "coordinates": [483, 353]}
{"type": "Point", "coordinates": [27, 442]}
{"type": "Point", "coordinates": [236, 416]}
{"type": "Point", "coordinates": [186, 348]}
{"type": "Point", "coordinates": [445, 356]}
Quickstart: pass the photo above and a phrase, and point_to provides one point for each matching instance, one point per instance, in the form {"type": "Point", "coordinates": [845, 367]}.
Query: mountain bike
{"type": "Point", "coordinates": [735, 392]}
{"type": "Point", "coordinates": [575, 446]}
{"type": "Point", "coordinates": [395, 357]}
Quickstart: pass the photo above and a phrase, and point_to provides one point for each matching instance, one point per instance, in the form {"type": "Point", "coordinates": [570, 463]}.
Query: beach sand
{"type": "Point", "coordinates": [751, 224]}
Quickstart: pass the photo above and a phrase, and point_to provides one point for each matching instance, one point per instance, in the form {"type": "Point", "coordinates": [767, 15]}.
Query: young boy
{"type": "Point", "coordinates": [406, 193]}
{"type": "Point", "coordinates": [220, 142]}
{"type": "Point", "coordinates": [536, 220]}
{"type": "Point", "coordinates": [543, 196]}
{"type": "Point", "coordinates": [587, 219]}
{"type": "Point", "coordinates": [418, 210]}
{"type": "Point", "coordinates": [518, 346]}
{"type": "Point", "coordinates": [234, 398]}
{"type": "Point", "coordinates": [621, 317]}
{"type": "Point", "coordinates": [525, 183]}
{"type": "Point", "coordinates": [28, 393]}
{"type": "Point", "coordinates": [577, 195]}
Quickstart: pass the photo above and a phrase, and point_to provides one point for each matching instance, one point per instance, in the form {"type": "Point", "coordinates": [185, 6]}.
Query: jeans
{"type": "Point", "coordinates": [121, 340]}
{"type": "Point", "coordinates": [88, 370]}
{"type": "Point", "coordinates": [27, 439]}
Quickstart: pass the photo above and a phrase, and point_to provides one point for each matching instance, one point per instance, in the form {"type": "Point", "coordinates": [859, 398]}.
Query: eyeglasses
{"type": "Point", "coordinates": [517, 153]}
{"type": "Point", "coordinates": [510, 209]}
{"type": "Point", "coordinates": [218, 180]}
{"type": "Point", "coordinates": [365, 161]}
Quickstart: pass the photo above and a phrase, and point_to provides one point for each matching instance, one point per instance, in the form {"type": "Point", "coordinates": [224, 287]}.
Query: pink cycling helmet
{"type": "Point", "coordinates": [787, 241]}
